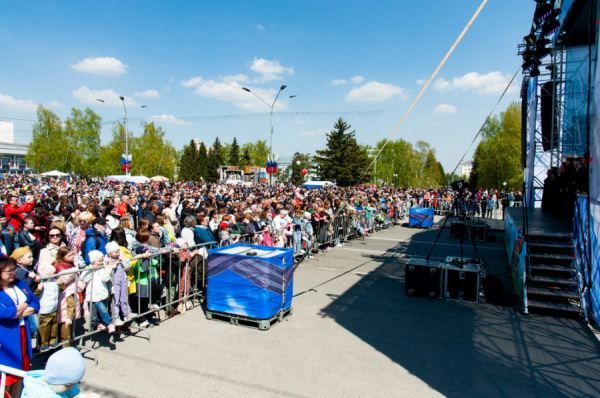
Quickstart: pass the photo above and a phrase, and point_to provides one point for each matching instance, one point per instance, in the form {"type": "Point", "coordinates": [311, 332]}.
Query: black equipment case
{"type": "Point", "coordinates": [423, 278]}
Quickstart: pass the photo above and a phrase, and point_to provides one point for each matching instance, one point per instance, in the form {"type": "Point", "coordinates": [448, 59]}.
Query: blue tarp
{"type": "Point", "coordinates": [421, 217]}
{"type": "Point", "coordinates": [253, 286]}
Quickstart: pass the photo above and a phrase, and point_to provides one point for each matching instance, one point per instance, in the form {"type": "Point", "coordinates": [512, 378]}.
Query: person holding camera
{"type": "Point", "coordinates": [14, 213]}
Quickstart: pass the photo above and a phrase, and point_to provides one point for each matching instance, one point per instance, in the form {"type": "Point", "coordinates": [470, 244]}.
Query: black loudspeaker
{"type": "Point", "coordinates": [423, 278]}
{"type": "Point", "coordinates": [549, 118]}
{"type": "Point", "coordinates": [458, 229]}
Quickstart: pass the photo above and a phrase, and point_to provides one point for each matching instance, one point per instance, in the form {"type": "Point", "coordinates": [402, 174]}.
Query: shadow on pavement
{"type": "Point", "coordinates": [467, 350]}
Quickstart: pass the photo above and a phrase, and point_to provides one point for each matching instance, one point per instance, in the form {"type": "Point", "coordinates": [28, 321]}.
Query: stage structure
{"type": "Point", "coordinates": [560, 120]}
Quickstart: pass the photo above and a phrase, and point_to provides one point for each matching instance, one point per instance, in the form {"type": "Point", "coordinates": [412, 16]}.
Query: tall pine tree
{"type": "Point", "coordinates": [202, 163]}
{"type": "Point", "coordinates": [188, 169]}
{"type": "Point", "coordinates": [215, 160]}
{"type": "Point", "coordinates": [234, 153]}
{"type": "Point", "coordinates": [344, 161]}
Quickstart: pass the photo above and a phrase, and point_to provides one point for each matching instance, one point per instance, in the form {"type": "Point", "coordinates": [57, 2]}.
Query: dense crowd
{"type": "Point", "coordinates": [111, 235]}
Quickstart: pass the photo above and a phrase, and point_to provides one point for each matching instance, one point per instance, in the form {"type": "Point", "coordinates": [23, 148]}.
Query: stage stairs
{"type": "Point", "coordinates": [552, 284]}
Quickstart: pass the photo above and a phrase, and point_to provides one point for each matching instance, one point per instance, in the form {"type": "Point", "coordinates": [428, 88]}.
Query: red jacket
{"type": "Point", "coordinates": [14, 214]}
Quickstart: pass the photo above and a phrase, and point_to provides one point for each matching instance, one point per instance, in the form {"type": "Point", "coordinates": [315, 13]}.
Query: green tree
{"type": "Point", "coordinates": [110, 154]}
{"type": "Point", "coordinates": [259, 152]}
{"type": "Point", "coordinates": [48, 149]}
{"type": "Point", "coordinates": [152, 154]}
{"type": "Point", "coordinates": [73, 146]}
{"type": "Point", "coordinates": [188, 165]}
{"type": "Point", "coordinates": [234, 153]}
{"type": "Point", "coordinates": [202, 161]}
{"type": "Point", "coordinates": [215, 160]}
{"type": "Point", "coordinates": [343, 160]}
{"type": "Point", "coordinates": [246, 159]}
{"type": "Point", "coordinates": [497, 158]}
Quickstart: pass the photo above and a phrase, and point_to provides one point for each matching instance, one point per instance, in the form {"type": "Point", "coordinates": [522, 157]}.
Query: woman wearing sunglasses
{"type": "Point", "coordinates": [55, 240]}
{"type": "Point", "coordinates": [17, 302]}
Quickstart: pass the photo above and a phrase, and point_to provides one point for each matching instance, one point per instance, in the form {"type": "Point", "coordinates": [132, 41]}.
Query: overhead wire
{"type": "Point", "coordinates": [425, 86]}
{"type": "Point", "coordinates": [486, 120]}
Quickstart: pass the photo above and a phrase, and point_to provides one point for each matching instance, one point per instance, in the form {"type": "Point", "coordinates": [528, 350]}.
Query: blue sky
{"type": "Point", "coordinates": [187, 61]}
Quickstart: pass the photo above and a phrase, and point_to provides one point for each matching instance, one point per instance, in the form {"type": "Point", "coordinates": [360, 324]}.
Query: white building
{"type": "Point", "coordinates": [12, 155]}
{"type": "Point", "coordinates": [466, 167]}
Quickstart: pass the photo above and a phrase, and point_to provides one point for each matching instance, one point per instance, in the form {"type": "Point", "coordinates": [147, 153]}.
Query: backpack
{"type": "Point", "coordinates": [84, 244]}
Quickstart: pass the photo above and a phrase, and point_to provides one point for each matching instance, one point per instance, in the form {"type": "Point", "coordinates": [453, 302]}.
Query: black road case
{"type": "Point", "coordinates": [478, 230]}
{"type": "Point", "coordinates": [461, 280]}
{"type": "Point", "coordinates": [423, 278]}
{"type": "Point", "coordinates": [458, 228]}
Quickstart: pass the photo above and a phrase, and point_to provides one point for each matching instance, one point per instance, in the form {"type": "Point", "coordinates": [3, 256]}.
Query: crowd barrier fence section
{"type": "Point", "coordinates": [7, 370]}
{"type": "Point", "coordinates": [166, 279]}
{"type": "Point", "coordinates": [176, 277]}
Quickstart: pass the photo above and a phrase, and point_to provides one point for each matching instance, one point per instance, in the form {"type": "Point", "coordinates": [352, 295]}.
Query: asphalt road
{"type": "Point", "coordinates": [354, 333]}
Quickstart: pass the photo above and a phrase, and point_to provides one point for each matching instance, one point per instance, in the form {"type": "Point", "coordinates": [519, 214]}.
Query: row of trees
{"type": "Point", "coordinates": [74, 146]}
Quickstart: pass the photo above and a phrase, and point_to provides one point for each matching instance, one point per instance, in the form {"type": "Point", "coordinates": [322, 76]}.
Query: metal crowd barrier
{"type": "Point", "coordinates": [170, 281]}
{"type": "Point", "coordinates": [7, 370]}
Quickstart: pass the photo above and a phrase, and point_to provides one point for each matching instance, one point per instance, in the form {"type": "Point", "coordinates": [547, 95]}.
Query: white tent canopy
{"type": "Point", "coordinates": [135, 179]}
{"type": "Point", "coordinates": [54, 173]}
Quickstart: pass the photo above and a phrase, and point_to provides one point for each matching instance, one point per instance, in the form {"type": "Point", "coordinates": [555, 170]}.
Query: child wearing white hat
{"type": "Point", "coordinates": [96, 291]}
{"type": "Point", "coordinates": [120, 265]}
{"type": "Point", "coordinates": [64, 370]}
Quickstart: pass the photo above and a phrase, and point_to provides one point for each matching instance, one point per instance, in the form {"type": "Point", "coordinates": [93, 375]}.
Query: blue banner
{"type": "Point", "coordinates": [421, 217]}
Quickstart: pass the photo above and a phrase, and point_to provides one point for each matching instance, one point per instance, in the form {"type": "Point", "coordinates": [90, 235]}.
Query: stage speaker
{"type": "Point", "coordinates": [423, 278]}
{"type": "Point", "coordinates": [549, 117]}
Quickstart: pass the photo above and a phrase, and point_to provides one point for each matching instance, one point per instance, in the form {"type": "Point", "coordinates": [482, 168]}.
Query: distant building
{"type": "Point", "coordinates": [12, 155]}
{"type": "Point", "coordinates": [466, 167]}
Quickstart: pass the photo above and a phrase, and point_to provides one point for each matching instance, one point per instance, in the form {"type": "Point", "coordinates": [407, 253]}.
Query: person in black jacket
{"type": "Point", "coordinates": [26, 237]}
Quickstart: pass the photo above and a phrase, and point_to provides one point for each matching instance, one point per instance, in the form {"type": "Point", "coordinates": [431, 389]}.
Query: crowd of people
{"type": "Point", "coordinates": [562, 185]}
{"type": "Point", "coordinates": [97, 251]}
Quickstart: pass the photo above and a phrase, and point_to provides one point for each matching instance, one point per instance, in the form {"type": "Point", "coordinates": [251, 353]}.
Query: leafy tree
{"type": "Point", "coordinates": [497, 158]}
{"type": "Point", "coordinates": [73, 146]}
{"type": "Point", "coordinates": [234, 153]}
{"type": "Point", "coordinates": [259, 152]}
{"type": "Point", "coordinates": [344, 160]}
{"type": "Point", "coordinates": [110, 154]}
{"type": "Point", "coordinates": [82, 130]}
{"type": "Point", "coordinates": [152, 154]}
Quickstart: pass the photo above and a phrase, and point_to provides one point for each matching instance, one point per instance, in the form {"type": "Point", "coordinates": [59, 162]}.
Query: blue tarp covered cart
{"type": "Point", "coordinates": [421, 217]}
{"type": "Point", "coordinates": [250, 280]}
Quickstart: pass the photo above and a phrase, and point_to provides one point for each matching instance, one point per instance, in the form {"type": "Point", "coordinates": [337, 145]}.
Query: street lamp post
{"type": "Point", "coordinates": [270, 117]}
{"type": "Point", "coordinates": [122, 98]}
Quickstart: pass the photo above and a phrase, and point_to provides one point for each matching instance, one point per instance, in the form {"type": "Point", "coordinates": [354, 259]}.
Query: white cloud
{"type": "Point", "coordinates": [357, 79]}
{"type": "Point", "coordinates": [338, 82]}
{"type": "Point", "coordinates": [171, 79]}
{"type": "Point", "coordinates": [232, 92]}
{"type": "Point", "coordinates": [305, 133]}
{"type": "Point", "coordinates": [148, 94]}
{"type": "Point", "coordinates": [269, 70]}
{"type": "Point", "coordinates": [444, 109]}
{"type": "Point", "coordinates": [88, 96]}
{"type": "Point", "coordinates": [420, 82]}
{"type": "Point", "coordinates": [168, 119]}
{"type": "Point", "coordinates": [53, 104]}
{"type": "Point", "coordinates": [106, 66]}
{"type": "Point", "coordinates": [491, 83]}
{"type": "Point", "coordinates": [22, 106]}
{"type": "Point", "coordinates": [240, 78]}
{"type": "Point", "coordinates": [167, 88]}
{"type": "Point", "coordinates": [375, 92]}
{"type": "Point", "coordinates": [259, 27]}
